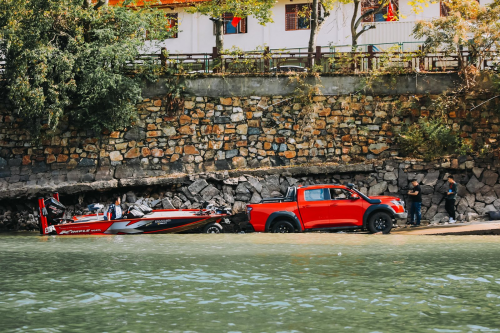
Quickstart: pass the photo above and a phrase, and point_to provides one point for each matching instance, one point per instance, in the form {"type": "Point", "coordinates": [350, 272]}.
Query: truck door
{"type": "Point", "coordinates": [314, 208]}
{"type": "Point", "coordinates": [344, 210]}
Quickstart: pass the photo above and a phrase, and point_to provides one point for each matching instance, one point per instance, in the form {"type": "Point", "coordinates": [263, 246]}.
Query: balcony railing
{"type": "Point", "coordinates": [324, 60]}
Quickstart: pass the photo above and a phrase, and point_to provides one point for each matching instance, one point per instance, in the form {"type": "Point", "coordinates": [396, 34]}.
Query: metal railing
{"type": "Point", "coordinates": [325, 59]}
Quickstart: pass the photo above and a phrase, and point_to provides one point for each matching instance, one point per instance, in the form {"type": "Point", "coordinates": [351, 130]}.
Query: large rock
{"type": "Point", "coordinates": [390, 175]}
{"type": "Point", "coordinates": [166, 204]}
{"type": "Point", "coordinates": [489, 208]}
{"type": "Point", "coordinates": [496, 188]}
{"type": "Point", "coordinates": [426, 189]}
{"type": "Point", "coordinates": [431, 178]}
{"type": "Point", "coordinates": [462, 206]}
{"type": "Point", "coordinates": [474, 185]}
{"type": "Point", "coordinates": [489, 177]}
{"type": "Point", "coordinates": [487, 198]}
{"type": "Point", "coordinates": [496, 203]}
{"type": "Point", "coordinates": [426, 200]}
{"type": "Point", "coordinates": [255, 198]}
{"type": "Point", "coordinates": [471, 199]}
{"type": "Point", "coordinates": [477, 171]}
{"type": "Point", "coordinates": [255, 183]}
{"type": "Point", "coordinates": [273, 182]}
{"type": "Point", "coordinates": [402, 179]}
{"type": "Point", "coordinates": [242, 188]}
{"type": "Point", "coordinates": [438, 217]}
{"type": "Point", "coordinates": [478, 207]}
{"type": "Point", "coordinates": [436, 198]}
{"type": "Point", "coordinates": [209, 192]}
{"type": "Point", "coordinates": [131, 197]}
{"type": "Point", "coordinates": [197, 186]}
{"type": "Point", "coordinates": [431, 212]}
{"type": "Point", "coordinates": [377, 189]}
{"type": "Point", "coordinates": [471, 216]}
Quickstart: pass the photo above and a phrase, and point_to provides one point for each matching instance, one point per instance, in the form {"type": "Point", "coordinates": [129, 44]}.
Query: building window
{"type": "Point", "coordinates": [229, 28]}
{"type": "Point", "coordinates": [297, 17]}
{"type": "Point", "coordinates": [382, 15]}
{"type": "Point", "coordinates": [172, 22]}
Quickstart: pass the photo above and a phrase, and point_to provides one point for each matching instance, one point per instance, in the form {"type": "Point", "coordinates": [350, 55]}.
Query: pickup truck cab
{"type": "Point", "coordinates": [325, 207]}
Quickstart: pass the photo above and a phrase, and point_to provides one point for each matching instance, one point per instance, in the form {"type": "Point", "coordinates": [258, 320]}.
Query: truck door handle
{"type": "Point", "coordinates": [333, 205]}
{"type": "Point", "coordinates": [307, 206]}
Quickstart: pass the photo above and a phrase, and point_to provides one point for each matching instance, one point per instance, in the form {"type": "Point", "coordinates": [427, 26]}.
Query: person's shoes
{"type": "Point", "coordinates": [415, 225]}
{"type": "Point", "coordinates": [452, 221]}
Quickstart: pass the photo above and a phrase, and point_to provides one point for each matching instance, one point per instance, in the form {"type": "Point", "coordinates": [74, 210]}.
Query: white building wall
{"type": "Point", "coordinates": [196, 31]}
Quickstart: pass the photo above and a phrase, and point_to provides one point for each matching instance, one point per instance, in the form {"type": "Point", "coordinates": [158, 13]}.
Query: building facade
{"type": "Point", "coordinates": [196, 32]}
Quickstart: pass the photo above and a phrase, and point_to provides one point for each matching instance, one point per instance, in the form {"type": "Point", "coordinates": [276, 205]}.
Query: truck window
{"type": "Point", "coordinates": [339, 194]}
{"type": "Point", "coordinates": [317, 195]}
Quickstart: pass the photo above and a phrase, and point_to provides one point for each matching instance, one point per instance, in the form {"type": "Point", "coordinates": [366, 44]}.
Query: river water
{"type": "Point", "coordinates": [250, 283]}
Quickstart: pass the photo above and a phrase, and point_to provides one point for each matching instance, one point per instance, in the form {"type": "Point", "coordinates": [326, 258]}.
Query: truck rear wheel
{"type": "Point", "coordinates": [380, 222]}
{"type": "Point", "coordinates": [283, 227]}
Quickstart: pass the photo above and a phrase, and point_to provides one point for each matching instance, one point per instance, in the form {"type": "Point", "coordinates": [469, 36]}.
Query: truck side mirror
{"type": "Point", "coordinates": [354, 196]}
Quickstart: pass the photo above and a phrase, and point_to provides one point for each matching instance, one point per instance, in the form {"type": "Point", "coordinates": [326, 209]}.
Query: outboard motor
{"type": "Point", "coordinates": [55, 211]}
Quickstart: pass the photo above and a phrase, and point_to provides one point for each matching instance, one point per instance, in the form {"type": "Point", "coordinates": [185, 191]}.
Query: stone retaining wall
{"type": "Point", "coordinates": [214, 134]}
{"type": "Point", "coordinates": [478, 189]}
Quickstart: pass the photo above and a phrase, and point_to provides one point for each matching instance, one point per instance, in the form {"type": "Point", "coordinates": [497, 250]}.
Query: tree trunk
{"type": "Point", "coordinates": [219, 35]}
{"type": "Point", "coordinates": [353, 25]}
{"type": "Point", "coordinates": [314, 24]}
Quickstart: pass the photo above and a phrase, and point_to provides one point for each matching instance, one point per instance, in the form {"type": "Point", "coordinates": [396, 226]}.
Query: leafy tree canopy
{"type": "Point", "coordinates": [260, 9]}
{"type": "Point", "coordinates": [72, 59]}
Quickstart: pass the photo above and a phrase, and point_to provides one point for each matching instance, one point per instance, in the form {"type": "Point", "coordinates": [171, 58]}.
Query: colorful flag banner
{"type": "Point", "coordinates": [235, 21]}
{"type": "Point", "coordinates": [390, 13]}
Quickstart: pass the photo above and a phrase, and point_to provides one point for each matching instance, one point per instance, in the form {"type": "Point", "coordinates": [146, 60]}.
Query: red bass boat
{"type": "Point", "coordinates": [139, 219]}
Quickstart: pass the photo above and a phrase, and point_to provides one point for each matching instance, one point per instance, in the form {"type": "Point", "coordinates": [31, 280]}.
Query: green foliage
{"type": "Point", "coordinates": [429, 139]}
{"type": "Point", "coordinates": [66, 59]}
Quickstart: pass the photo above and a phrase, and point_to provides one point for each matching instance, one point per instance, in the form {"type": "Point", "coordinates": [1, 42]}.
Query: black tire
{"type": "Point", "coordinates": [283, 227]}
{"type": "Point", "coordinates": [380, 222]}
{"type": "Point", "coordinates": [213, 228]}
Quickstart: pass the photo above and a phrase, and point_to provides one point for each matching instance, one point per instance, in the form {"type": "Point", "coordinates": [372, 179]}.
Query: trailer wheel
{"type": "Point", "coordinates": [380, 222]}
{"type": "Point", "coordinates": [283, 227]}
{"type": "Point", "coordinates": [213, 228]}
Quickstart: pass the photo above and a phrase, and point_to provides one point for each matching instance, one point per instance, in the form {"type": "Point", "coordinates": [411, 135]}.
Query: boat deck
{"type": "Point", "coordinates": [155, 215]}
{"type": "Point", "coordinates": [468, 228]}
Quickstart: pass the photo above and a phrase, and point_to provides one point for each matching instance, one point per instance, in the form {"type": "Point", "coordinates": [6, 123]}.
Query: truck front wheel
{"type": "Point", "coordinates": [283, 227]}
{"type": "Point", "coordinates": [380, 222]}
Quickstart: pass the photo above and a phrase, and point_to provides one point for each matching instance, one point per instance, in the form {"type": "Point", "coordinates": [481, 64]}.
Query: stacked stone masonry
{"type": "Point", "coordinates": [478, 189]}
{"type": "Point", "coordinates": [214, 134]}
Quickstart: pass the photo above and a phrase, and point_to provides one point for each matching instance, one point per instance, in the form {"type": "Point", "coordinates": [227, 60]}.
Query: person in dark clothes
{"type": "Point", "coordinates": [416, 203]}
{"type": "Point", "coordinates": [450, 199]}
{"type": "Point", "coordinates": [115, 210]}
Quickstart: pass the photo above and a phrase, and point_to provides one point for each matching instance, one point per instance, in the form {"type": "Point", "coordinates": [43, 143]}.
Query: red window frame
{"type": "Point", "coordinates": [292, 19]}
{"type": "Point", "coordinates": [373, 4]}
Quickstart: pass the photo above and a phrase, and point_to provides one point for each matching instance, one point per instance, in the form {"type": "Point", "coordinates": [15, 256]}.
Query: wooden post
{"type": "Point", "coordinates": [266, 59]}
{"type": "Point", "coordinates": [370, 56]}
{"type": "Point", "coordinates": [317, 59]}
{"type": "Point", "coordinates": [215, 56]}
{"type": "Point", "coordinates": [163, 57]}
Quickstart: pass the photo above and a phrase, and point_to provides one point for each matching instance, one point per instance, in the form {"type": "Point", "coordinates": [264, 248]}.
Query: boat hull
{"type": "Point", "coordinates": [159, 221]}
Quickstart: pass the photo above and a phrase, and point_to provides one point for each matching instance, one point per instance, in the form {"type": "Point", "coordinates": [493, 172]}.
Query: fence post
{"type": "Point", "coordinates": [317, 60]}
{"type": "Point", "coordinates": [163, 57]}
{"type": "Point", "coordinates": [266, 59]}
{"type": "Point", "coordinates": [370, 57]}
{"type": "Point", "coordinates": [215, 56]}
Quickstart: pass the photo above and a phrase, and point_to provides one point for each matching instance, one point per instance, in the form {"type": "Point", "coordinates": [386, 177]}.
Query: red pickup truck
{"type": "Point", "coordinates": [325, 207]}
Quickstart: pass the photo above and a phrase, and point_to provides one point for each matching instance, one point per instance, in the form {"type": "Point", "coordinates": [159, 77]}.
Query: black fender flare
{"type": "Point", "coordinates": [289, 216]}
{"type": "Point", "coordinates": [377, 208]}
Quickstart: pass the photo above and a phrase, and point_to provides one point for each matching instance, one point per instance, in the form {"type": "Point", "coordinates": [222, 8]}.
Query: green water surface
{"type": "Point", "coordinates": [250, 283]}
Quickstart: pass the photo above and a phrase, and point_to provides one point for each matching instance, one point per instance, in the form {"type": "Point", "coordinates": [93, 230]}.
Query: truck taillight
{"type": "Point", "coordinates": [249, 209]}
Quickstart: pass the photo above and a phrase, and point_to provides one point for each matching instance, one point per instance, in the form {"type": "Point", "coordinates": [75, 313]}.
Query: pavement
{"type": "Point", "coordinates": [466, 228]}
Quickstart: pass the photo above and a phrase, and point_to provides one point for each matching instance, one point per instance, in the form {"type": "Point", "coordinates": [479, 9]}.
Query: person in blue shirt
{"type": "Point", "coordinates": [115, 210]}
